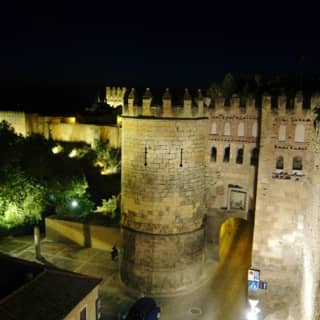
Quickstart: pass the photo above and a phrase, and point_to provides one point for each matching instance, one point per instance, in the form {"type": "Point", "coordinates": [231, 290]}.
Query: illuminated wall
{"type": "Point", "coordinates": [115, 96]}
{"type": "Point", "coordinates": [285, 245]}
{"type": "Point", "coordinates": [16, 119]}
{"type": "Point", "coordinates": [162, 195]}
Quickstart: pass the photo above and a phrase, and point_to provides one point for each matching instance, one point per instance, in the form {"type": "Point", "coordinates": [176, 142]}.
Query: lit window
{"type": "Point", "coordinates": [241, 129]}
{"type": "Point", "coordinates": [255, 129]}
{"type": "Point", "coordinates": [227, 129]}
{"type": "Point", "coordinates": [299, 133]}
{"type": "Point", "coordinates": [214, 128]}
{"type": "Point", "coordinates": [282, 133]}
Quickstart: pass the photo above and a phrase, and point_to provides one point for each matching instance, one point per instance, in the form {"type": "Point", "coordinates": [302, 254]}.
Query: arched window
{"type": "Point", "coordinates": [254, 157]}
{"type": "Point", "coordinates": [214, 128]}
{"type": "Point", "coordinates": [214, 154]}
{"type": "Point", "coordinates": [255, 129]}
{"type": "Point", "coordinates": [299, 133]}
{"type": "Point", "coordinates": [239, 158]}
{"type": "Point", "coordinates": [227, 129]}
{"type": "Point", "coordinates": [279, 163]}
{"type": "Point", "coordinates": [241, 129]}
{"type": "Point", "coordinates": [226, 154]}
{"type": "Point", "coordinates": [282, 132]}
{"type": "Point", "coordinates": [297, 163]}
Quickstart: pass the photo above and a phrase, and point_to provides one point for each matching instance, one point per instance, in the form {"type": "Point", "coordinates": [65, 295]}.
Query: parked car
{"type": "Point", "coordinates": [144, 309]}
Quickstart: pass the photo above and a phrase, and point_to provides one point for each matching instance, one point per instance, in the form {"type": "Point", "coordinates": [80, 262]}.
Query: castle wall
{"type": "Point", "coordinates": [283, 194]}
{"type": "Point", "coordinates": [115, 96]}
{"type": "Point", "coordinates": [75, 132]}
{"type": "Point", "coordinates": [66, 129]}
{"type": "Point", "coordinates": [163, 171]}
{"type": "Point", "coordinates": [236, 128]}
{"type": "Point", "coordinates": [16, 119]}
{"type": "Point", "coordinates": [230, 182]}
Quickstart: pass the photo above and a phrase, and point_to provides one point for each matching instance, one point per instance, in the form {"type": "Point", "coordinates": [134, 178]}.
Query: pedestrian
{"type": "Point", "coordinates": [114, 253]}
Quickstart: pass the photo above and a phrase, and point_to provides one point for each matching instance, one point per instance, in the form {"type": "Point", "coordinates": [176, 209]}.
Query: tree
{"type": "Point", "coordinates": [214, 90]}
{"type": "Point", "coordinates": [22, 198]}
{"type": "Point", "coordinates": [229, 86]}
{"type": "Point", "coordinates": [107, 156]}
{"type": "Point", "coordinates": [69, 196]}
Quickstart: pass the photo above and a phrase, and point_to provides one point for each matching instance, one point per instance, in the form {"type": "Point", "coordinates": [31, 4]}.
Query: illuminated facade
{"type": "Point", "coordinates": [181, 162]}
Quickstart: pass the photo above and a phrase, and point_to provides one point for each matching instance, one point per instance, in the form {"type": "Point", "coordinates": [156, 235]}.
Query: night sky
{"type": "Point", "coordinates": [57, 56]}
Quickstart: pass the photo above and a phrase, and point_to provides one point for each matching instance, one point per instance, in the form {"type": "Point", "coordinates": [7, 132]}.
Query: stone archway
{"type": "Point", "coordinates": [229, 233]}
{"type": "Point", "coordinates": [222, 230]}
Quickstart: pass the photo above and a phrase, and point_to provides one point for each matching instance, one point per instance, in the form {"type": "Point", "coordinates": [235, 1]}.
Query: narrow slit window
{"type": "Point", "coordinates": [254, 157]}
{"type": "Point", "coordinates": [239, 158]}
{"type": "Point", "coordinates": [226, 154]}
{"type": "Point", "coordinates": [214, 154]}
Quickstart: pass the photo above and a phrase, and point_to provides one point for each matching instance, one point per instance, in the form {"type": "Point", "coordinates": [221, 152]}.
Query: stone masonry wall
{"type": "Point", "coordinates": [242, 134]}
{"type": "Point", "coordinates": [282, 197]}
{"type": "Point", "coordinates": [16, 119]}
{"type": "Point", "coordinates": [162, 196]}
{"type": "Point", "coordinates": [158, 264]}
{"type": "Point", "coordinates": [163, 183]}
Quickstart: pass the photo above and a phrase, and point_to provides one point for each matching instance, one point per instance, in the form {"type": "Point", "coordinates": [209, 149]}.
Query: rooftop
{"type": "Point", "coordinates": [30, 290]}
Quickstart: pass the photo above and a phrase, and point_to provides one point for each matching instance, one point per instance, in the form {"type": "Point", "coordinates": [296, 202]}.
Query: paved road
{"type": "Point", "coordinates": [224, 297]}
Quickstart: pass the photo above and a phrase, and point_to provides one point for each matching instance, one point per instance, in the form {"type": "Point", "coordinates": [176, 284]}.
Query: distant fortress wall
{"type": "Point", "coordinates": [61, 128]}
{"type": "Point", "coordinates": [16, 119]}
{"type": "Point", "coordinates": [75, 132]}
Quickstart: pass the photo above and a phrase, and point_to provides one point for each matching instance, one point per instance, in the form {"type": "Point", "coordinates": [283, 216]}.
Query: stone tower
{"type": "Point", "coordinates": [115, 96]}
{"type": "Point", "coordinates": [163, 184]}
{"type": "Point", "coordinates": [286, 240]}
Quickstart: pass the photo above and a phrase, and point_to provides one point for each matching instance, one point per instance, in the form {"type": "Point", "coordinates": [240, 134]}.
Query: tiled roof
{"type": "Point", "coordinates": [50, 295]}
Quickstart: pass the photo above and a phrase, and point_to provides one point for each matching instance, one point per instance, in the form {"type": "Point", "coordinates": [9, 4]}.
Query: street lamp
{"type": "Point", "coordinates": [254, 310]}
{"type": "Point", "coordinates": [74, 203]}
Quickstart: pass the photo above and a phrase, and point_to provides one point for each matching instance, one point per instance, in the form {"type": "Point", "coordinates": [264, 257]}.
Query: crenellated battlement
{"type": "Point", "coordinates": [219, 106]}
{"type": "Point", "coordinates": [283, 105]}
{"type": "Point", "coordinates": [192, 107]}
{"type": "Point", "coordinates": [6, 113]}
{"type": "Point", "coordinates": [115, 96]}
{"type": "Point", "coordinates": [277, 105]}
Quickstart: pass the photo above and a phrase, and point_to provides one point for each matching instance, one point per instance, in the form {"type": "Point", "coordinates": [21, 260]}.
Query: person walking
{"type": "Point", "coordinates": [114, 253]}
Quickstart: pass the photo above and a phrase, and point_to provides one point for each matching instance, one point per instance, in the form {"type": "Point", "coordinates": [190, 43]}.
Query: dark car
{"type": "Point", "coordinates": [144, 309]}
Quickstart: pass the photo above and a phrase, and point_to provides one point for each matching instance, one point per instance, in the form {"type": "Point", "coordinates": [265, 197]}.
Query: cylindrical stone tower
{"type": "Point", "coordinates": [163, 182]}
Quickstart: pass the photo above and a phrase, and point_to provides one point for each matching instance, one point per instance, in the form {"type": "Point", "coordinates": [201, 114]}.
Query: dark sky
{"type": "Point", "coordinates": [63, 53]}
